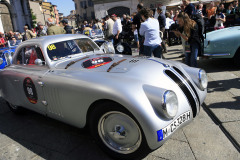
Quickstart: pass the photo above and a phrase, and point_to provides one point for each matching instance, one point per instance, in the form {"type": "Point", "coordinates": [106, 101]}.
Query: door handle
{"type": "Point", "coordinates": [16, 80]}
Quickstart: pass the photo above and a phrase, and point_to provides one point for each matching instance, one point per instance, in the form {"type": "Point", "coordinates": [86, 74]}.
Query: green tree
{"type": "Point", "coordinates": [34, 19]}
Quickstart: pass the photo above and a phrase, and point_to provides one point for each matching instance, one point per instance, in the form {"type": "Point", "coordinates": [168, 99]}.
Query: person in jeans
{"type": "Point", "coordinates": [162, 24]}
{"type": "Point", "coordinates": [150, 30]}
{"type": "Point", "coordinates": [190, 30]}
{"type": "Point", "coordinates": [136, 24]}
{"type": "Point", "coordinates": [117, 28]}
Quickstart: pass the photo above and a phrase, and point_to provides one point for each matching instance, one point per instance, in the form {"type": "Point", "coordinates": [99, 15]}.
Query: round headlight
{"type": "Point", "coordinates": [120, 48]}
{"type": "Point", "coordinates": [170, 104]}
{"type": "Point", "coordinates": [203, 80]}
{"type": "Point", "coordinates": [1, 61]}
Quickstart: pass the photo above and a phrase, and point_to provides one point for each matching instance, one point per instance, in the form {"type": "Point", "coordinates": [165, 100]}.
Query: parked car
{"type": "Point", "coordinates": [224, 43]}
{"type": "Point", "coordinates": [131, 105]}
{"type": "Point", "coordinates": [6, 53]}
{"type": "Point", "coordinates": [98, 37]}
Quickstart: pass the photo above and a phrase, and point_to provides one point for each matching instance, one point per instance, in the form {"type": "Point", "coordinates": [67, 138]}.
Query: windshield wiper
{"type": "Point", "coordinates": [73, 62]}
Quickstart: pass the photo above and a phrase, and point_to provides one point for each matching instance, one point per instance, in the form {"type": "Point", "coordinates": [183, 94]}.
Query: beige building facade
{"type": "Point", "coordinates": [71, 18]}
{"type": "Point", "coordinates": [37, 11]}
{"type": "Point", "coordinates": [90, 9]}
{"type": "Point", "coordinates": [115, 7]}
{"type": "Point", "coordinates": [44, 10]}
{"type": "Point", "coordinates": [84, 9]}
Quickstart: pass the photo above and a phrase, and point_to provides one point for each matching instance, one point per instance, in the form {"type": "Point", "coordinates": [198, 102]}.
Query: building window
{"type": "Point", "coordinates": [76, 6]}
{"type": "Point", "coordinates": [90, 3]}
{"type": "Point", "coordinates": [92, 15]}
{"type": "Point", "coordinates": [81, 4]}
{"type": "Point", "coordinates": [84, 4]}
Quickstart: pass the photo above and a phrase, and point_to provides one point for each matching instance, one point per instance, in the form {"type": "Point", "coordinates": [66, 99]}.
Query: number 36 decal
{"type": "Point", "coordinates": [30, 90]}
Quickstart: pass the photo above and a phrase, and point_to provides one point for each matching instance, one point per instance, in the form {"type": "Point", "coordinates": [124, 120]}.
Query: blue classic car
{"type": "Point", "coordinates": [6, 53]}
{"type": "Point", "coordinates": [224, 43]}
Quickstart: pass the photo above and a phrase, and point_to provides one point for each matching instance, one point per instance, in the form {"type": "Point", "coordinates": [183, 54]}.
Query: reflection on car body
{"type": "Point", "coordinates": [132, 105]}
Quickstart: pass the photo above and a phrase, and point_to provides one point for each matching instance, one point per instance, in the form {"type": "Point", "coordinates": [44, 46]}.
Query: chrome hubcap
{"type": "Point", "coordinates": [119, 132]}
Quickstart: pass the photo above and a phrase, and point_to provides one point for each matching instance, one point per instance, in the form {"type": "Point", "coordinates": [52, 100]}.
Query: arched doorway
{"type": "Point", "coordinates": [119, 11]}
{"type": "Point", "coordinates": [5, 18]}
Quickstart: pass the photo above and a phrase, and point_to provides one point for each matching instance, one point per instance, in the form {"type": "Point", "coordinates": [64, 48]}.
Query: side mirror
{"type": "Point", "coordinates": [38, 62]}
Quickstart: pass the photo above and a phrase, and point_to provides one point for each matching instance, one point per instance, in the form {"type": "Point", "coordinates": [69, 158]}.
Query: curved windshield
{"type": "Point", "coordinates": [87, 45]}
{"type": "Point", "coordinates": [61, 50]}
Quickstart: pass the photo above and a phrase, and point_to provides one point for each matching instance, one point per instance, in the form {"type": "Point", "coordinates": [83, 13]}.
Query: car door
{"type": "Point", "coordinates": [27, 78]}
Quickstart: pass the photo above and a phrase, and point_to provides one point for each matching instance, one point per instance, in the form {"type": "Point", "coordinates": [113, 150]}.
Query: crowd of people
{"type": "Point", "coordinates": [150, 34]}
{"type": "Point", "coordinates": [41, 30]}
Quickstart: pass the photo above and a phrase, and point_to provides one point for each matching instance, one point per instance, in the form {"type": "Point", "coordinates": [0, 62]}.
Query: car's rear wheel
{"type": "Point", "coordinates": [117, 131]}
{"type": "Point", "coordinates": [14, 108]}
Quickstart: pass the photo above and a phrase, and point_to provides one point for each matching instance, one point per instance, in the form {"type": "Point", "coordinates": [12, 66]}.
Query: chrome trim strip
{"type": "Point", "coordinates": [165, 65]}
{"type": "Point", "coordinates": [184, 81]}
{"type": "Point", "coordinates": [216, 55]}
{"type": "Point", "coordinates": [188, 86]}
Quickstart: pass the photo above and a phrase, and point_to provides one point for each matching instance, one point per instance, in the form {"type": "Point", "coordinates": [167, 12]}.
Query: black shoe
{"type": "Point", "coordinates": [164, 51]}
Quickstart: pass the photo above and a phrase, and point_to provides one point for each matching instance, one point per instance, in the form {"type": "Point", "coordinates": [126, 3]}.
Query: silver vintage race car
{"type": "Point", "coordinates": [131, 105]}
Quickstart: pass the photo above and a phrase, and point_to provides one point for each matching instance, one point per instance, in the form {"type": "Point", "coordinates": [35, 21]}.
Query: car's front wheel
{"type": "Point", "coordinates": [117, 131]}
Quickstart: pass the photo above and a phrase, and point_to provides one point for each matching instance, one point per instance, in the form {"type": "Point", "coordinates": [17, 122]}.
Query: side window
{"type": "Point", "coordinates": [20, 57]}
{"type": "Point", "coordinates": [29, 54]}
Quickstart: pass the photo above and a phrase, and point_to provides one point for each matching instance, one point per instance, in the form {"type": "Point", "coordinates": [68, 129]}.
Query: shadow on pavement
{"type": "Point", "coordinates": [46, 137]}
{"type": "Point", "coordinates": [217, 65]}
{"type": "Point", "coordinates": [235, 105]}
{"type": "Point", "coordinates": [223, 85]}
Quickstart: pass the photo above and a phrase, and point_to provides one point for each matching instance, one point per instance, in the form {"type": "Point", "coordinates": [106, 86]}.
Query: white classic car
{"type": "Point", "coordinates": [131, 105]}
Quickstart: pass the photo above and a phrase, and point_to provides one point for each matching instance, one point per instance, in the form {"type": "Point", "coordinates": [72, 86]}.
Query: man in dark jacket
{"type": "Point", "coordinates": [67, 28]}
{"type": "Point", "coordinates": [137, 20]}
{"type": "Point", "coordinates": [41, 30]}
{"type": "Point", "coordinates": [189, 8]}
{"type": "Point", "coordinates": [162, 24]}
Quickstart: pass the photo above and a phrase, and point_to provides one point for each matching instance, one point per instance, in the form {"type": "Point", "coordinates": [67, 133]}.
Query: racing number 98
{"type": "Point", "coordinates": [30, 91]}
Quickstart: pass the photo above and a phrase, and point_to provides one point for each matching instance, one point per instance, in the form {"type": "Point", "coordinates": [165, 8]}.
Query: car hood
{"type": "Point", "coordinates": [223, 33]}
{"type": "Point", "coordinates": [106, 63]}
